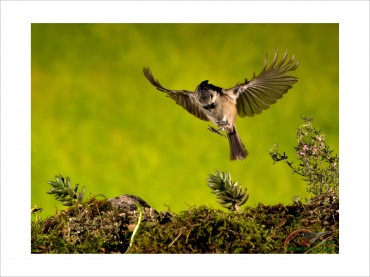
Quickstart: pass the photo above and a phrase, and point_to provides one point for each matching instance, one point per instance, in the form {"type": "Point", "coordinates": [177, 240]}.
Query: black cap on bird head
{"type": "Point", "coordinates": [205, 86]}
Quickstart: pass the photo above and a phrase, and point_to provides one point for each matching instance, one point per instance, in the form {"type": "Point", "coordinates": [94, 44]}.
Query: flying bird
{"type": "Point", "coordinates": [221, 106]}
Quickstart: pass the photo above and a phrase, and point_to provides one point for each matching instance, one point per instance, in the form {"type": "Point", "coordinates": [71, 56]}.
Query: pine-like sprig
{"type": "Point", "coordinates": [64, 192]}
{"type": "Point", "coordinates": [229, 194]}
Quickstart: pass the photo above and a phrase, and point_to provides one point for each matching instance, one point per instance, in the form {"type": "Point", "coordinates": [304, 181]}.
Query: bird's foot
{"type": "Point", "coordinates": [217, 131]}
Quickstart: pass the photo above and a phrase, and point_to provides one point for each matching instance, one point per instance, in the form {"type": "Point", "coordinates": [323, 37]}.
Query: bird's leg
{"type": "Point", "coordinates": [223, 125]}
{"type": "Point", "coordinates": [217, 131]}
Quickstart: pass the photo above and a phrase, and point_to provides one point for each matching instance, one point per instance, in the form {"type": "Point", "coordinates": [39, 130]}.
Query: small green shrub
{"type": "Point", "coordinates": [317, 164]}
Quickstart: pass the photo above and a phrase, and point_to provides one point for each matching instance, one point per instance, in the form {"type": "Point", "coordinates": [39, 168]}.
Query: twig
{"type": "Point", "coordinates": [138, 206]}
{"type": "Point", "coordinates": [175, 239]}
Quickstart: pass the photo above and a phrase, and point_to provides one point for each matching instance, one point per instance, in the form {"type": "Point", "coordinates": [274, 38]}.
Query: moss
{"type": "Point", "coordinates": [102, 226]}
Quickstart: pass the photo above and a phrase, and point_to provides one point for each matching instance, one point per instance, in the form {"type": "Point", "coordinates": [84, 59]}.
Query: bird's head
{"type": "Point", "coordinates": [207, 92]}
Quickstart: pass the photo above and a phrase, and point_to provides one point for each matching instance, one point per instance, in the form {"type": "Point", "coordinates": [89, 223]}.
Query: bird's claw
{"type": "Point", "coordinates": [217, 131]}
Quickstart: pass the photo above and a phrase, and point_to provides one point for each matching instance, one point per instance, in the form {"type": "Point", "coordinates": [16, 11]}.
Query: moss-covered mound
{"type": "Point", "coordinates": [106, 226]}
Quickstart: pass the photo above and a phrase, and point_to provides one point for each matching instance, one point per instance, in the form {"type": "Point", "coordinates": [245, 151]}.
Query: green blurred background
{"type": "Point", "coordinates": [96, 119]}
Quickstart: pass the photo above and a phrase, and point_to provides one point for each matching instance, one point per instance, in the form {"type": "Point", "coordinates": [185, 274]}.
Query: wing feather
{"type": "Point", "coordinates": [184, 98]}
{"type": "Point", "coordinates": [255, 96]}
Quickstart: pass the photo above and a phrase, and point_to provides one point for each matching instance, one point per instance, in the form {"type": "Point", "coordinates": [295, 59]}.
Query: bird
{"type": "Point", "coordinates": [222, 106]}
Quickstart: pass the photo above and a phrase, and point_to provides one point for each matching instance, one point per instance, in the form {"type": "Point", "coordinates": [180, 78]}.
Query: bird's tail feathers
{"type": "Point", "coordinates": [237, 149]}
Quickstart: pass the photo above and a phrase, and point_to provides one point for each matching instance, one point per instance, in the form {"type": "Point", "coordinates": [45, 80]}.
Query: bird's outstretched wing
{"type": "Point", "coordinates": [255, 96]}
{"type": "Point", "coordinates": [184, 98]}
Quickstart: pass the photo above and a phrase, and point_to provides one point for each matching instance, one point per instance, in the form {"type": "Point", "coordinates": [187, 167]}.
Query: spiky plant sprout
{"type": "Point", "coordinates": [230, 195]}
{"type": "Point", "coordinates": [64, 192]}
